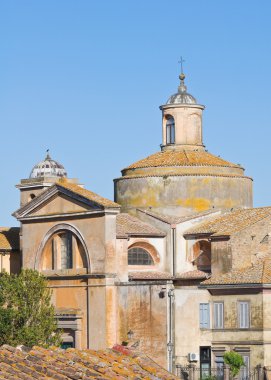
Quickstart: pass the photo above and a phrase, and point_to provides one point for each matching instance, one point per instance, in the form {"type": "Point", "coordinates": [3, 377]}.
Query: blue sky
{"type": "Point", "coordinates": [85, 79]}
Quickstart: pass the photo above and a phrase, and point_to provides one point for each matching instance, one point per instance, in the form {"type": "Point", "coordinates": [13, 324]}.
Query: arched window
{"type": "Point", "coordinates": [63, 251]}
{"type": "Point", "coordinates": [170, 130]}
{"type": "Point", "coordinates": [139, 256]}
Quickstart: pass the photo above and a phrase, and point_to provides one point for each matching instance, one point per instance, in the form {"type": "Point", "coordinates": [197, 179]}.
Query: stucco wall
{"type": "Point", "coordinates": [189, 336]}
{"type": "Point", "coordinates": [181, 195]}
{"type": "Point", "coordinates": [141, 310]}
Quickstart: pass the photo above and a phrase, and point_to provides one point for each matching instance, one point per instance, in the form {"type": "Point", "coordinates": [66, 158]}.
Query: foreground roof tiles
{"type": "Point", "coordinates": [231, 222]}
{"type": "Point", "coordinates": [181, 158]}
{"type": "Point", "coordinates": [128, 225]}
{"type": "Point", "coordinates": [259, 273]}
{"type": "Point", "coordinates": [9, 238]}
{"type": "Point", "coordinates": [43, 364]}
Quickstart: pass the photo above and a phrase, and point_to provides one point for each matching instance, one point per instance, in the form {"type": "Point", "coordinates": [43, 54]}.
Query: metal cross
{"type": "Point", "coordinates": [181, 61]}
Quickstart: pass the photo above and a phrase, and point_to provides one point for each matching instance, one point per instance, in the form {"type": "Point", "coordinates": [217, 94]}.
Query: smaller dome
{"type": "Point", "coordinates": [48, 168]}
{"type": "Point", "coordinates": [182, 96]}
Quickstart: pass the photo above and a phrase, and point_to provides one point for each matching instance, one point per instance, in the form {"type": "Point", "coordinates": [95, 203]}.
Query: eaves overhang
{"type": "Point", "coordinates": [235, 286]}
{"type": "Point", "coordinates": [52, 192]}
{"type": "Point", "coordinates": [197, 236]}
{"type": "Point", "coordinates": [209, 236]}
{"type": "Point", "coordinates": [139, 235]}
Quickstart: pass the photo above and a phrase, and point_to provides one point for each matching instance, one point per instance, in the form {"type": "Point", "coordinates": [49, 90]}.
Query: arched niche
{"type": "Point", "coordinates": [200, 255]}
{"type": "Point", "coordinates": [62, 248]}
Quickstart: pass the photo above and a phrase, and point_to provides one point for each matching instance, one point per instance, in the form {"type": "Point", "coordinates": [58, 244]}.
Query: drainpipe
{"type": "Point", "coordinates": [170, 344]}
{"type": "Point", "coordinates": [173, 242]}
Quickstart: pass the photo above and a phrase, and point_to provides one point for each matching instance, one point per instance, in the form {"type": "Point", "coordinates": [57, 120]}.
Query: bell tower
{"type": "Point", "coordinates": [182, 121]}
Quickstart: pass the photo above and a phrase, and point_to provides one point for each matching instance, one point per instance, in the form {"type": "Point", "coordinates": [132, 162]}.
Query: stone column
{"type": "Point", "coordinates": [78, 334]}
{"type": "Point", "coordinates": [78, 339]}
{"type": "Point", "coordinates": [226, 370]}
{"type": "Point", "coordinates": [191, 371]}
{"type": "Point", "coordinates": [260, 372]}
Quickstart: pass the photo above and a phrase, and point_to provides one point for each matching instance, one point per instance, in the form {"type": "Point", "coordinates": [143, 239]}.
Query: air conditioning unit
{"type": "Point", "coordinates": [192, 357]}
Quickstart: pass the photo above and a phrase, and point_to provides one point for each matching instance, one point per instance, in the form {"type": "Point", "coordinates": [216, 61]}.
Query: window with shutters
{"type": "Point", "coordinates": [204, 315]}
{"type": "Point", "coordinates": [218, 315]}
{"type": "Point", "coordinates": [243, 314]}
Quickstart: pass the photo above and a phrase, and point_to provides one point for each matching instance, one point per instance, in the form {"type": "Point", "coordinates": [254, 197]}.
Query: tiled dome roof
{"type": "Point", "coordinates": [48, 168]}
{"type": "Point", "coordinates": [181, 158]}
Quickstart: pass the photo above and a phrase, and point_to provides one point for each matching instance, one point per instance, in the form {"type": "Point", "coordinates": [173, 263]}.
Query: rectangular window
{"type": "Point", "coordinates": [243, 314]}
{"type": "Point", "coordinates": [218, 315]}
{"type": "Point", "coordinates": [204, 315]}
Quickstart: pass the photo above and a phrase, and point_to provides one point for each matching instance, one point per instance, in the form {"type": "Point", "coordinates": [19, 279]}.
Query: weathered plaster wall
{"type": "Point", "coordinates": [181, 195]}
{"type": "Point", "coordinates": [251, 244]}
{"type": "Point", "coordinates": [141, 310]}
{"type": "Point", "coordinates": [71, 294]}
{"type": "Point", "coordinates": [98, 236]}
{"type": "Point", "coordinates": [231, 336]}
{"type": "Point", "coordinates": [188, 335]}
{"type": "Point", "coordinates": [221, 256]}
{"type": "Point", "coordinates": [188, 128]}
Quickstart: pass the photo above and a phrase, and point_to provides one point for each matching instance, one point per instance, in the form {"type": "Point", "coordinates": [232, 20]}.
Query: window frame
{"type": "Point", "coordinates": [216, 324]}
{"type": "Point", "coordinates": [66, 250]}
{"type": "Point", "coordinates": [241, 315]}
{"type": "Point", "coordinates": [202, 324]}
{"type": "Point", "coordinates": [170, 130]}
{"type": "Point", "coordinates": [136, 263]}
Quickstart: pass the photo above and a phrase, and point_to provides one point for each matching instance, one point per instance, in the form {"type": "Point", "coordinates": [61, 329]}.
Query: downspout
{"type": "Point", "coordinates": [88, 314]}
{"type": "Point", "coordinates": [170, 344]}
{"type": "Point", "coordinates": [173, 240]}
{"type": "Point", "coordinates": [171, 314]}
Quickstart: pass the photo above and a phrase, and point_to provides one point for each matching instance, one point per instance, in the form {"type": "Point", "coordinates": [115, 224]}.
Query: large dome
{"type": "Point", "coordinates": [48, 168]}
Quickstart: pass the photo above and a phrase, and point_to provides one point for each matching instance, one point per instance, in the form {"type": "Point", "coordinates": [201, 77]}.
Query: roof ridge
{"type": "Point", "coordinates": [81, 190]}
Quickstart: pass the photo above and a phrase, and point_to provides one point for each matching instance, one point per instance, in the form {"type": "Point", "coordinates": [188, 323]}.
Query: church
{"type": "Point", "coordinates": [178, 265]}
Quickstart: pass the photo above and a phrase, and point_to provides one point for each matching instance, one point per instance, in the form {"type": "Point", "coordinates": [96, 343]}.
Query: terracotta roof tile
{"type": "Point", "coordinates": [149, 275]}
{"type": "Point", "coordinates": [192, 275]}
{"type": "Point", "coordinates": [9, 238]}
{"type": "Point", "coordinates": [181, 158]}
{"type": "Point", "coordinates": [173, 173]}
{"type": "Point", "coordinates": [231, 222]}
{"type": "Point", "coordinates": [39, 363]}
{"type": "Point", "coordinates": [86, 193]}
{"type": "Point", "coordinates": [128, 225]}
{"type": "Point", "coordinates": [259, 273]}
